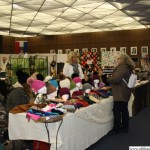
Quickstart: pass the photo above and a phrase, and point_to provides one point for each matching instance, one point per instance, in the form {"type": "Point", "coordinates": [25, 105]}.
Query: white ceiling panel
{"type": "Point", "coordinates": [67, 2]}
{"type": "Point", "coordinates": [51, 17]}
{"type": "Point", "coordinates": [88, 7]}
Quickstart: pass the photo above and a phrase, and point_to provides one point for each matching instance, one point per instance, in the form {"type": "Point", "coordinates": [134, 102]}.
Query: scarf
{"type": "Point", "coordinates": [75, 68]}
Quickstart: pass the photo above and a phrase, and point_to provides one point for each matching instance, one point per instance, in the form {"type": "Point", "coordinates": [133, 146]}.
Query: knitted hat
{"type": "Point", "coordinates": [22, 76]}
{"type": "Point", "coordinates": [35, 84]}
{"type": "Point", "coordinates": [72, 85]}
{"type": "Point", "coordinates": [64, 91]}
{"type": "Point", "coordinates": [86, 86]}
{"type": "Point", "coordinates": [47, 78]}
{"type": "Point", "coordinates": [77, 80]}
{"type": "Point", "coordinates": [95, 77]}
{"type": "Point", "coordinates": [65, 83]}
{"type": "Point", "coordinates": [53, 82]}
{"type": "Point", "coordinates": [77, 93]}
{"type": "Point", "coordinates": [50, 88]}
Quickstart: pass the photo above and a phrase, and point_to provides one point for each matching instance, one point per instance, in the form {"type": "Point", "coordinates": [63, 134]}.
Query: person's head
{"type": "Point", "coordinates": [100, 71]}
{"type": "Point", "coordinates": [125, 59]}
{"type": "Point", "coordinates": [22, 77]}
{"type": "Point", "coordinates": [86, 66]}
{"type": "Point", "coordinates": [74, 75]}
{"type": "Point", "coordinates": [72, 57]}
{"type": "Point", "coordinates": [39, 76]}
{"type": "Point", "coordinates": [4, 59]}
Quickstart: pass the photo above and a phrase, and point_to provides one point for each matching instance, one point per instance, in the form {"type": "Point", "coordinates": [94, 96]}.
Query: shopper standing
{"type": "Point", "coordinates": [121, 93]}
{"type": "Point", "coordinates": [72, 65]}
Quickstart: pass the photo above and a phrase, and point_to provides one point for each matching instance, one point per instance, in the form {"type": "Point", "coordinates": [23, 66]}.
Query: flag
{"type": "Point", "coordinates": [21, 45]}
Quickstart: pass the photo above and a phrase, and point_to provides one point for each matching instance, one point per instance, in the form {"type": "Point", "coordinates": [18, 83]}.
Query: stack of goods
{"type": "Point", "coordinates": [58, 97]}
{"type": "Point", "coordinates": [50, 113]}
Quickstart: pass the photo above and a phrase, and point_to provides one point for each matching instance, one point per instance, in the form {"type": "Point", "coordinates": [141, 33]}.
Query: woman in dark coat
{"type": "Point", "coordinates": [121, 93]}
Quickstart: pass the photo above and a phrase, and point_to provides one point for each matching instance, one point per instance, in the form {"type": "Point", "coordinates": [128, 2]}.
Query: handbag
{"type": "Point", "coordinates": [132, 81]}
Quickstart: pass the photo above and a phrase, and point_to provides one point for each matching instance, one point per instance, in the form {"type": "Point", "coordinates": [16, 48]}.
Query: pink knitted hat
{"type": "Point", "coordinates": [77, 80]}
{"type": "Point", "coordinates": [35, 84]}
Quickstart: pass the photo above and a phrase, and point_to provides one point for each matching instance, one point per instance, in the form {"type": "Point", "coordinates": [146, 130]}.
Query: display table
{"type": "Point", "coordinates": [141, 93]}
{"type": "Point", "coordinates": [78, 131]}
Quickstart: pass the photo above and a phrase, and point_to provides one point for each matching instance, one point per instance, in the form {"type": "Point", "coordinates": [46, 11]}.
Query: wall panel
{"type": "Point", "coordinates": [43, 44]}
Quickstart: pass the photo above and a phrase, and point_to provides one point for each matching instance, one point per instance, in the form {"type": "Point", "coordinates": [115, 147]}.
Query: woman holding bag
{"type": "Point", "coordinates": [121, 92]}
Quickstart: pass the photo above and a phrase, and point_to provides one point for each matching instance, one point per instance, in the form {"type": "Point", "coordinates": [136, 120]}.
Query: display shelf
{"type": "Point", "coordinates": [18, 63]}
{"type": "Point", "coordinates": [39, 64]}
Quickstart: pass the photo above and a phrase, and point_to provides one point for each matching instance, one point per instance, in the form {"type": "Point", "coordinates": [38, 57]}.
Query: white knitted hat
{"type": "Point", "coordinates": [65, 83]}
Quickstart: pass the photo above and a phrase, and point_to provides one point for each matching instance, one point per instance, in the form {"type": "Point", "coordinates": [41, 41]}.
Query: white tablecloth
{"type": "Point", "coordinates": [76, 132]}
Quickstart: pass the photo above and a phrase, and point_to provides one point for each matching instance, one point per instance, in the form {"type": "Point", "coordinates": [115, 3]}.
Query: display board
{"type": "Point", "coordinates": [108, 58]}
{"type": "Point", "coordinates": [90, 58]}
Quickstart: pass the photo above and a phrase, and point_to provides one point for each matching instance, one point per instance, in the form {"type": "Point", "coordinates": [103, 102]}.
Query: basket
{"type": "Point", "coordinates": [55, 119]}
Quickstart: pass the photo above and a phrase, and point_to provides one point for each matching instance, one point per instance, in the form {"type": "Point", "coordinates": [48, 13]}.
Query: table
{"type": "Point", "coordinates": [141, 93]}
{"type": "Point", "coordinates": [78, 131]}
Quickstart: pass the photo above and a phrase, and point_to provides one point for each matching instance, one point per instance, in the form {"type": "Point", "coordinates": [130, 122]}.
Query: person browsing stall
{"type": "Point", "coordinates": [20, 92]}
{"type": "Point", "coordinates": [72, 65]}
{"type": "Point", "coordinates": [121, 93]}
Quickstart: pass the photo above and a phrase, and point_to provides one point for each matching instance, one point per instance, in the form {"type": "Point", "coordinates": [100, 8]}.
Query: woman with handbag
{"type": "Point", "coordinates": [121, 92]}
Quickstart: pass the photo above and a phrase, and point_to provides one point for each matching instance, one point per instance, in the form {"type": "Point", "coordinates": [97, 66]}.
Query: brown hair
{"type": "Point", "coordinates": [127, 60]}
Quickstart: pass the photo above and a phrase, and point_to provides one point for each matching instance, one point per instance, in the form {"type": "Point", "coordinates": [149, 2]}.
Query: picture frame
{"type": "Point", "coordinates": [52, 51]}
{"type": "Point", "coordinates": [144, 49]}
{"type": "Point", "coordinates": [60, 51]}
{"type": "Point", "coordinates": [84, 50]}
{"type": "Point", "coordinates": [93, 49]}
{"type": "Point", "coordinates": [67, 51]}
{"type": "Point", "coordinates": [133, 51]}
{"type": "Point", "coordinates": [123, 49]}
{"type": "Point", "coordinates": [112, 49]}
{"type": "Point", "coordinates": [77, 50]}
{"type": "Point", "coordinates": [103, 49]}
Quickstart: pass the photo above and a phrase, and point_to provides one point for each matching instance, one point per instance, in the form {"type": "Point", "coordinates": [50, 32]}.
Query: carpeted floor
{"type": "Point", "coordinates": [139, 135]}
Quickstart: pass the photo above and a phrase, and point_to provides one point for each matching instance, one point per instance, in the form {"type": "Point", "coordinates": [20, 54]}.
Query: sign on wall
{"type": "Point", "coordinates": [21, 46]}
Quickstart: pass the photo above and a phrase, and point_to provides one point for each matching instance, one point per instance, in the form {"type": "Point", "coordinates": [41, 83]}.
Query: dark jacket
{"type": "Point", "coordinates": [119, 89]}
{"type": "Point", "coordinates": [16, 97]}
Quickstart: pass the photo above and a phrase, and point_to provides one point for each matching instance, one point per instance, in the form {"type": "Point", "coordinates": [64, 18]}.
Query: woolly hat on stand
{"type": "Point", "coordinates": [77, 80]}
{"type": "Point", "coordinates": [65, 83]}
{"type": "Point", "coordinates": [86, 86]}
{"type": "Point", "coordinates": [50, 89]}
{"type": "Point", "coordinates": [22, 76]}
{"type": "Point", "coordinates": [53, 82]}
{"type": "Point", "coordinates": [35, 85]}
{"type": "Point", "coordinates": [95, 77]}
{"type": "Point", "coordinates": [64, 91]}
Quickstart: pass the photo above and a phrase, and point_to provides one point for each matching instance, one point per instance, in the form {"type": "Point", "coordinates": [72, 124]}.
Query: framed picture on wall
{"type": "Point", "coordinates": [84, 50]}
{"type": "Point", "coordinates": [93, 49]}
{"type": "Point", "coordinates": [123, 49]}
{"type": "Point", "coordinates": [60, 51]}
{"type": "Point", "coordinates": [112, 49]}
{"type": "Point", "coordinates": [144, 49]}
{"type": "Point", "coordinates": [67, 51]}
{"type": "Point", "coordinates": [103, 49]}
{"type": "Point", "coordinates": [76, 50]}
{"type": "Point", "coordinates": [133, 51]}
{"type": "Point", "coordinates": [52, 51]}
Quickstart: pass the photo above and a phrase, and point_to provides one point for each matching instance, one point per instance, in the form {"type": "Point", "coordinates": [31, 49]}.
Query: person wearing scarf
{"type": "Point", "coordinates": [72, 65]}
